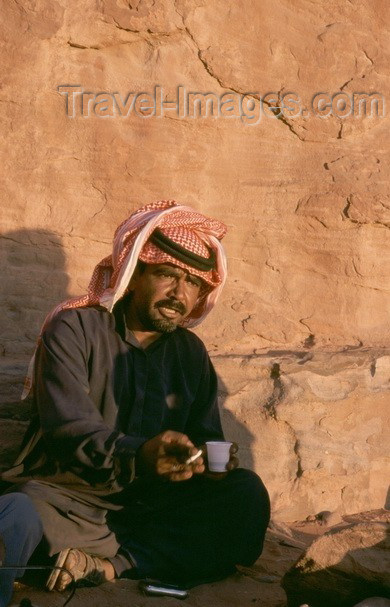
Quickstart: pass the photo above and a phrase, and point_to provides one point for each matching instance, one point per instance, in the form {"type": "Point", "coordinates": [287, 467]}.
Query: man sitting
{"type": "Point", "coordinates": [124, 395]}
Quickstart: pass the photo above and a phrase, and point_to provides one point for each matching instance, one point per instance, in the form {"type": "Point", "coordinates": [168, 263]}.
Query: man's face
{"type": "Point", "coordinates": [163, 295]}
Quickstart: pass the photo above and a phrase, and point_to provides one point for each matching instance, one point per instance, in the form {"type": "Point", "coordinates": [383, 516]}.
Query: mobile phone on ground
{"type": "Point", "coordinates": [156, 588]}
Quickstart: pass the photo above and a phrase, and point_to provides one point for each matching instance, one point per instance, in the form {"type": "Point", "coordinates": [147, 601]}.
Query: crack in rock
{"type": "Point", "coordinates": [346, 215]}
{"type": "Point", "coordinates": [302, 322]}
{"type": "Point", "coordinates": [103, 193]}
{"type": "Point", "coordinates": [342, 87]}
{"type": "Point", "coordinates": [299, 471]}
{"type": "Point", "coordinates": [82, 46]}
{"type": "Point", "coordinates": [277, 393]}
{"type": "Point", "coordinates": [213, 75]}
{"type": "Point", "coordinates": [244, 322]}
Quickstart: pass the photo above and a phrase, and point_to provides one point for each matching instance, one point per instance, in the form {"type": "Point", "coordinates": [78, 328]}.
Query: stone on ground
{"type": "Point", "coordinates": [342, 567]}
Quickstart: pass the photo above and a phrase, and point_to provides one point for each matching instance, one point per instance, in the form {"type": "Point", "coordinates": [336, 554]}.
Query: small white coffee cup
{"type": "Point", "coordinates": [218, 455]}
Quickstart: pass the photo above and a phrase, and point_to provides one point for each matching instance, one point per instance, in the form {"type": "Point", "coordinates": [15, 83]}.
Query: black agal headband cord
{"type": "Point", "coordinates": [172, 248]}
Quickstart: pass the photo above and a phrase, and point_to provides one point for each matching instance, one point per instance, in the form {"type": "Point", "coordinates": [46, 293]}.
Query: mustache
{"type": "Point", "coordinates": [178, 306]}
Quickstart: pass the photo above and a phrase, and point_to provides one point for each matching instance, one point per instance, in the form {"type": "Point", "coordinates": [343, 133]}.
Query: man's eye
{"type": "Point", "coordinates": [193, 280]}
{"type": "Point", "coordinates": [165, 273]}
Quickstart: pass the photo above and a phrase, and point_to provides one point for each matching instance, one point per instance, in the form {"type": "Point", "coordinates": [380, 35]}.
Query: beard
{"type": "Point", "coordinates": [162, 325]}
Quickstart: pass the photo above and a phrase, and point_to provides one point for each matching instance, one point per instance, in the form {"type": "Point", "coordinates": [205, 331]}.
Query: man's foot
{"type": "Point", "coordinates": [82, 566]}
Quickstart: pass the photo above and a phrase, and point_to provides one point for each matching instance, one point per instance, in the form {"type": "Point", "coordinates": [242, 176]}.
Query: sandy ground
{"type": "Point", "coordinates": [257, 585]}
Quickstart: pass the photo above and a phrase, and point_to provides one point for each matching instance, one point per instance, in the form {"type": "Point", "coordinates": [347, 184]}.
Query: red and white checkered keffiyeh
{"type": "Point", "coordinates": [186, 227]}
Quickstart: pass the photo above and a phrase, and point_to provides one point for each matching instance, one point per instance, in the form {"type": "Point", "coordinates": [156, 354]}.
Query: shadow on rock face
{"type": "Point", "coordinates": [235, 430]}
{"type": "Point", "coordinates": [34, 280]}
{"type": "Point", "coordinates": [387, 503]}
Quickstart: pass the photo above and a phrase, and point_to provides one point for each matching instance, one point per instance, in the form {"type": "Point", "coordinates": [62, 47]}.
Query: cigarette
{"type": "Point", "coordinates": [191, 459]}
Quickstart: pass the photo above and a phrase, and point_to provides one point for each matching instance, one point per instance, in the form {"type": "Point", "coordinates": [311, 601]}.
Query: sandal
{"type": "Point", "coordinates": [81, 565]}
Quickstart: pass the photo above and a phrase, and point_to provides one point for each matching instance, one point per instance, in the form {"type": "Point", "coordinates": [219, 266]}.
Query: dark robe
{"type": "Point", "coordinates": [98, 397]}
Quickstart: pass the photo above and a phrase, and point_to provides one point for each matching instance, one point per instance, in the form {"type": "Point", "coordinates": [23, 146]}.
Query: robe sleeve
{"type": "Point", "coordinates": [73, 428]}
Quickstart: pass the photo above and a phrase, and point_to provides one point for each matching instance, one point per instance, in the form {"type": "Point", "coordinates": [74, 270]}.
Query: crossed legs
{"type": "Point", "coordinates": [190, 532]}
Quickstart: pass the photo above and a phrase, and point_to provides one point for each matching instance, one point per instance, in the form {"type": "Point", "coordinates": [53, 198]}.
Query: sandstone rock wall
{"type": "Point", "coordinates": [315, 425]}
{"type": "Point", "coordinates": [305, 200]}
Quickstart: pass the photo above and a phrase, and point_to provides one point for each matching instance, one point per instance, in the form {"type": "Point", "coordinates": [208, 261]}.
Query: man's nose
{"type": "Point", "coordinates": [178, 289]}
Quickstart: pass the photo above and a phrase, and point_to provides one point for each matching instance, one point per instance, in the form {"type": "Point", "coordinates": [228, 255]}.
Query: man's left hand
{"type": "Point", "coordinates": [232, 464]}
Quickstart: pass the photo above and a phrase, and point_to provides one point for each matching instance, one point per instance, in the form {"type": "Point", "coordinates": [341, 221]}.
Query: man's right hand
{"type": "Point", "coordinates": [166, 454]}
